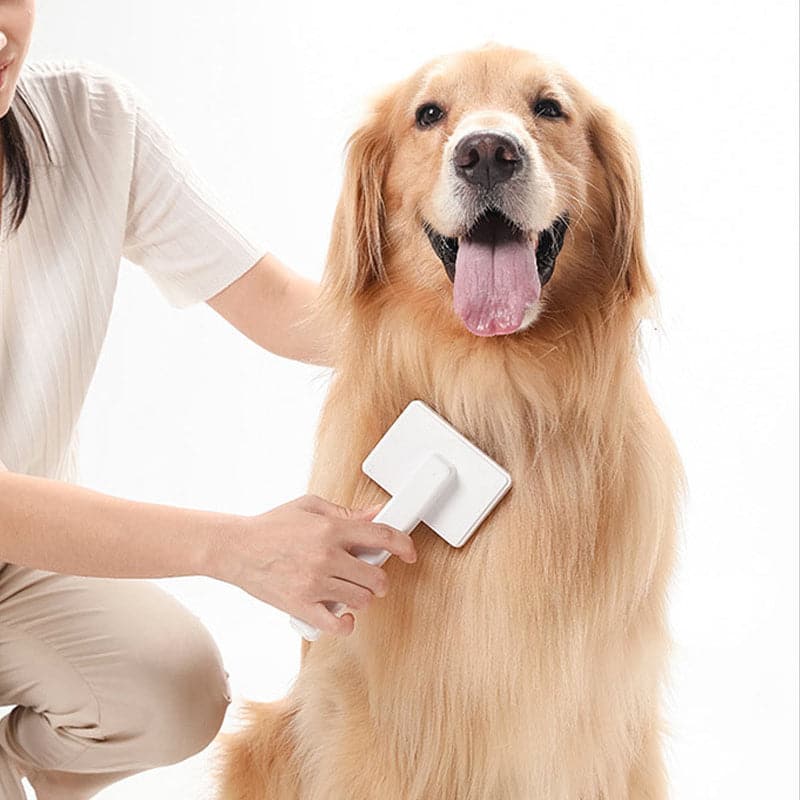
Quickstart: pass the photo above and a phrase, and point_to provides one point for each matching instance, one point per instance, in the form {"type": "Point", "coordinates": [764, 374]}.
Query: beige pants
{"type": "Point", "coordinates": [109, 678]}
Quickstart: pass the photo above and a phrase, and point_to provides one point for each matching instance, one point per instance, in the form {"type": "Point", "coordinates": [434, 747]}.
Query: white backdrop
{"type": "Point", "coordinates": [185, 410]}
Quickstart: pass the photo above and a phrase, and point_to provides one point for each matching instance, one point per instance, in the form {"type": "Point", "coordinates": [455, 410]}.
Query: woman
{"type": "Point", "coordinates": [111, 677]}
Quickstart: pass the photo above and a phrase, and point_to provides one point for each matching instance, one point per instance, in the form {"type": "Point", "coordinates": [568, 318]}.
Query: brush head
{"type": "Point", "coordinates": [479, 485]}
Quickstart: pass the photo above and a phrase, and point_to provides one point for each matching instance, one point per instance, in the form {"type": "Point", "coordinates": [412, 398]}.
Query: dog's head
{"type": "Point", "coordinates": [493, 182]}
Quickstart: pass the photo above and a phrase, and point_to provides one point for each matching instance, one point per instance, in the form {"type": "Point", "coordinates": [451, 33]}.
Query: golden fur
{"type": "Point", "coordinates": [527, 665]}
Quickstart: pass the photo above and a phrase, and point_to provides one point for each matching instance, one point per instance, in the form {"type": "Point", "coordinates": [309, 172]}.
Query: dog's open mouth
{"type": "Point", "coordinates": [497, 270]}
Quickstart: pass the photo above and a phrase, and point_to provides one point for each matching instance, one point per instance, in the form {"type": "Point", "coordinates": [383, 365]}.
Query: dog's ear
{"type": "Point", "coordinates": [612, 144]}
{"type": "Point", "coordinates": [355, 257]}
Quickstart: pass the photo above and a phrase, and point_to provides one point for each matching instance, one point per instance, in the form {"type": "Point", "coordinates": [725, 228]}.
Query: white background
{"type": "Point", "coordinates": [262, 95]}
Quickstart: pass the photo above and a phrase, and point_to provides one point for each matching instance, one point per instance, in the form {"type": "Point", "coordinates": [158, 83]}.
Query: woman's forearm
{"type": "Point", "coordinates": [271, 305]}
{"type": "Point", "coordinates": [305, 342]}
{"type": "Point", "coordinates": [59, 527]}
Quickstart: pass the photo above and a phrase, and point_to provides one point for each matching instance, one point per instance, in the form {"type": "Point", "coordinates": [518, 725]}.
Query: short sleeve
{"type": "Point", "coordinates": [176, 229]}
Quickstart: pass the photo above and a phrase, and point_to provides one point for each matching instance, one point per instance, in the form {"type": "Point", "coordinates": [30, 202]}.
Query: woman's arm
{"type": "Point", "coordinates": [295, 557]}
{"type": "Point", "coordinates": [268, 304]}
{"type": "Point", "coordinates": [60, 527]}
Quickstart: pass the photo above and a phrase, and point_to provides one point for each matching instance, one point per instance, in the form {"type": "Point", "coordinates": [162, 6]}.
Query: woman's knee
{"type": "Point", "coordinates": [186, 695]}
{"type": "Point", "coordinates": [128, 679]}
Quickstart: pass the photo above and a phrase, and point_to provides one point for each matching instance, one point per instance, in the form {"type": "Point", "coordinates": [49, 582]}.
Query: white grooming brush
{"type": "Point", "coordinates": [435, 476]}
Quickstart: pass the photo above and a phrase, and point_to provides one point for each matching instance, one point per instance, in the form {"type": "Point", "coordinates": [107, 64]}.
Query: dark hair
{"type": "Point", "coordinates": [17, 163]}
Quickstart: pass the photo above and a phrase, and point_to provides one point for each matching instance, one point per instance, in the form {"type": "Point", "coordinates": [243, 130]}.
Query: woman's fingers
{"type": "Point", "coordinates": [354, 570]}
{"type": "Point", "coordinates": [352, 595]}
{"type": "Point", "coordinates": [325, 620]}
{"type": "Point", "coordinates": [344, 592]}
{"type": "Point", "coordinates": [352, 529]}
{"type": "Point", "coordinates": [381, 537]}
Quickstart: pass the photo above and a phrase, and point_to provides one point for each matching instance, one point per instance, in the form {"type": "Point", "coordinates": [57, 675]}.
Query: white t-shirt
{"type": "Point", "coordinates": [117, 187]}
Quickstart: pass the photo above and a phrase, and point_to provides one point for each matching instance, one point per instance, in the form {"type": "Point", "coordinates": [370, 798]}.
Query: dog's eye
{"type": "Point", "coordinates": [428, 114]}
{"type": "Point", "coordinates": [547, 108]}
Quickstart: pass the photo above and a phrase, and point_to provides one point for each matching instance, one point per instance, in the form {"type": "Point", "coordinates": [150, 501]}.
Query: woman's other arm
{"type": "Point", "coordinates": [269, 304]}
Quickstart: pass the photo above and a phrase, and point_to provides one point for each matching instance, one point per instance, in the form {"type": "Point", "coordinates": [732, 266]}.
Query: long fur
{"type": "Point", "coordinates": [528, 664]}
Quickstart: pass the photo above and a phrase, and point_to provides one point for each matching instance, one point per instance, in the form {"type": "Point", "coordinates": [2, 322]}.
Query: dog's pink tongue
{"type": "Point", "coordinates": [496, 278]}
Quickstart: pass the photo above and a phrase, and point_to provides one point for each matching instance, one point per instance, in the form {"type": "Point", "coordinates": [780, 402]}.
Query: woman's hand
{"type": "Point", "coordinates": [296, 557]}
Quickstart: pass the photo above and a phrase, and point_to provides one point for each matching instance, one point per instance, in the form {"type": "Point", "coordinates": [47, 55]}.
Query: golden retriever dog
{"type": "Point", "coordinates": [487, 258]}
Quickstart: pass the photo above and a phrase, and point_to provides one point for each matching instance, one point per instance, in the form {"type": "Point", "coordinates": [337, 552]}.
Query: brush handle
{"type": "Point", "coordinates": [404, 511]}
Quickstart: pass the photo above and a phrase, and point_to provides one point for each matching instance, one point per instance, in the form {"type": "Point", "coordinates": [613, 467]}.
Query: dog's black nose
{"type": "Point", "coordinates": [486, 158]}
